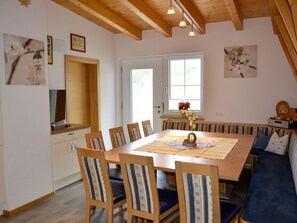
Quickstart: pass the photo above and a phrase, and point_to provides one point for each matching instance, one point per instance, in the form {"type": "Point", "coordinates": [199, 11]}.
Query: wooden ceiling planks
{"type": "Point", "coordinates": [283, 13]}
{"type": "Point", "coordinates": [293, 4]}
{"type": "Point", "coordinates": [203, 12]}
{"type": "Point", "coordinates": [133, 16]}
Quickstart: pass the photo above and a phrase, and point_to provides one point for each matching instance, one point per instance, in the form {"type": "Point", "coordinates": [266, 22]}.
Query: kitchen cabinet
{"type": "Point", "coordinates": [65, 163]}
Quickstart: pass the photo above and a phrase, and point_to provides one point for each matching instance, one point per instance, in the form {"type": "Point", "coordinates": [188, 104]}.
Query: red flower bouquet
{"type": "Point", "coordinates": [184, 105]}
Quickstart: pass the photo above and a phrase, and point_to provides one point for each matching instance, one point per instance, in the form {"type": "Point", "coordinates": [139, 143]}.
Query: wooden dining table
{"type": "Point", "coordinates": [230, 168]}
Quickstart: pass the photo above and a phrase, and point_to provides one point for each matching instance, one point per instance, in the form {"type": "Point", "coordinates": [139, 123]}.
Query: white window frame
{"type": "Point", "coordinates": [166, 82]}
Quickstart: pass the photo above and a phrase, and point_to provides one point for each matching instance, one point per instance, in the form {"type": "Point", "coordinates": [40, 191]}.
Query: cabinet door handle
{"type": "Point", "coordinates": [74, 146]}
{"type": "Point", "coordinates": [70, 147]}
{"type": "Point", "coordinates": [71, 133]}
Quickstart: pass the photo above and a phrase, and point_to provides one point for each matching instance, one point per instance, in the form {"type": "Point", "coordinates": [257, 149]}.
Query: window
{"type": "Point", "coordinates": [184, 82]}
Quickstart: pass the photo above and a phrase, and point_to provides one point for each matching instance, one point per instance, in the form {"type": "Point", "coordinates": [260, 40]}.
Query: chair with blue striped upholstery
{"type": "Point", "coordinates": [95, 140]}
{"type": "Point", "coordinates": [147, 128]}
{"type": "Point", "coordinates": [117, 137]}
{"type": "Point", "coordinates": [144, 199]}
{"type": "Point", "coordinates": [134, 132]}
{"type": "Point", "coordinates": [198, 195]}
{"type": "Point", "coordinates": [100, 190]}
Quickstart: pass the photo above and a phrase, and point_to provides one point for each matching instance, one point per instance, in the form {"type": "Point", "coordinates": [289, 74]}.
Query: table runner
{"type": "Point", "coordinates": [207, 147]}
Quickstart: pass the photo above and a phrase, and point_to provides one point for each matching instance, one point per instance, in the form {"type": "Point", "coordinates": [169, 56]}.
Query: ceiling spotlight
{"type": "Point", "coordinates": [171, 9]}
{"type": "Point", "coordinates": [182, 23]}
{"type": "Point", "coordinates": [192, 33]}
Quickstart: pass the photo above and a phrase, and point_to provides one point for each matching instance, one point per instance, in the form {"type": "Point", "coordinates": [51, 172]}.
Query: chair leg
{"type": "Point", "coordinates": [129, 219]}
{"type": "Point", "coordinates": [88, 213]}
{"type": "Point", "coordinates": [109, 215]}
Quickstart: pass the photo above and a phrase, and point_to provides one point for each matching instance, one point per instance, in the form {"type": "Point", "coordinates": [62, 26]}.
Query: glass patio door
{"type": "Point", "coordinates": [142, 91]}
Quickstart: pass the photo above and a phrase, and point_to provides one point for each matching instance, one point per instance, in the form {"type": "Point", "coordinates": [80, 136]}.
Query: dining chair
{"type": "Point", "coordinates": [100, 190]}
{"type": "Point", "coordinates": [95, 140]}
{"type": "Point", "coordinates": [198, 195]}
{"type": "Point", "coordinates": [147, 128]}
{"type": "Point", "coordinates": [144, 199]}
{"type": "Point", "coordinates": [134, 132]}
{"type": "Point", "coordinates": [117, 137]}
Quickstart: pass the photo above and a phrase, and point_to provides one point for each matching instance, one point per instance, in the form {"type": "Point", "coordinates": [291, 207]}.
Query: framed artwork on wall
{"type": "Point", "coordinates": [77, 43]}
{"type": "Point", "coordinates": [240, 61]}
{"type": "Point", "coordinates": [49, 49]}
{"type": "Point", "coordinates": [24, 61]}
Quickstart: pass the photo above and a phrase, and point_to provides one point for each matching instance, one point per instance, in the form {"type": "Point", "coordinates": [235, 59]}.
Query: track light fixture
{"type": "Point", "coordinates": [184, 16]}
{"type": "Point", "coordinates": [182, 23]}
{"type": "Point", "coordinates": [171, 9]}
{"type": "Point", "coordinates": [192, 33]}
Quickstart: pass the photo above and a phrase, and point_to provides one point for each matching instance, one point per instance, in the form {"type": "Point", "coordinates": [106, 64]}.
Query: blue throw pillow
{"type": "Point", "coordinates": [262, 140]}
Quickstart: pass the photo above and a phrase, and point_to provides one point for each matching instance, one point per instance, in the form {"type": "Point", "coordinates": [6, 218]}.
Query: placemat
{"type": "Point", "coordinates": [207, 147]}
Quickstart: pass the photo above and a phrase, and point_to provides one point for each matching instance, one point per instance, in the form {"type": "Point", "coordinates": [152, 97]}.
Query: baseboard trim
{"type": "Point", "coordinates": [26, 206]}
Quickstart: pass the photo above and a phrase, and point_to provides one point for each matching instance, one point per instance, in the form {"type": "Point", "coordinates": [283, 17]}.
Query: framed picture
{"type": "Point", "coordinates": [77, 43]}
{"type": "Point", "coordinates": [24, 60]}
{"type": "Point", "coordinates": [49, 49]}
{"type": "Point", "coordinates": [240, 62]}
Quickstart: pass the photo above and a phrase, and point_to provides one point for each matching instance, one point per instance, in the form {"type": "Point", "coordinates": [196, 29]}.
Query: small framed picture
{"type": "Point", "coordinates": [49, 49]}
{"type": "Point", "coordinates": [77, 43]}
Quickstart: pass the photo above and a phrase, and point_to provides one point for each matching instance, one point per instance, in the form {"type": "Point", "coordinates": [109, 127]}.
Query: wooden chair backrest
{"type": "Point", "coordinates": [95, 140]}
{"type": "Point", "coordinates": [117, 137]}
{"type": "Point", "coordinates": [139, 177]}
{"type": "Point", "coordinates": [147, 128]}
{"type": "Point", "coordinates": [134, 132]}
{"type": "Point", "coordinates": [200, 183]}
{"type": "Point", "coordinates": [95, 176]}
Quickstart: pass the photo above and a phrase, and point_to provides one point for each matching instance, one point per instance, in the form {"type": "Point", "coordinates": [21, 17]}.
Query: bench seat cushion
{"type": "Point", "coordinates": [271, 196]}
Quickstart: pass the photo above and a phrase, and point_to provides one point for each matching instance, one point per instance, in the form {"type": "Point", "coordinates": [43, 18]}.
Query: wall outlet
{"type": "Point", "coordinates": [219, 113]}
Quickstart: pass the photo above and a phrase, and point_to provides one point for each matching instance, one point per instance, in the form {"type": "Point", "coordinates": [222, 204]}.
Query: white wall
{"type": "Point", "coordinates": [25, 112]}
{"type": "Point", "coordinates": [99, 45]}
{"type": "Point", "coordinates": [240, 100]}
{"type": "Point", "coordinates": [25, 109]}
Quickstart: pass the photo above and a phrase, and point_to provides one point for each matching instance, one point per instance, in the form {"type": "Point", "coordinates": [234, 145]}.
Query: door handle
{"type": "Point", "coordinates": [157, 106]}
